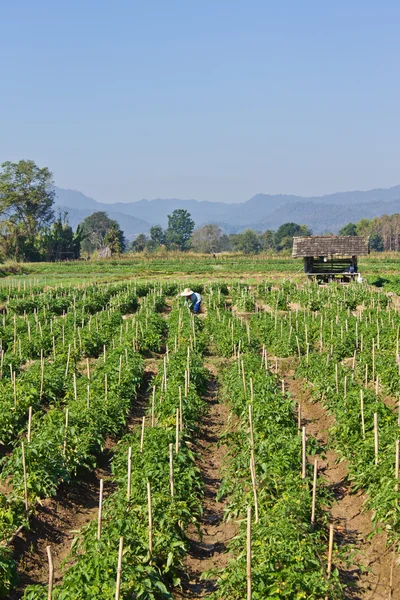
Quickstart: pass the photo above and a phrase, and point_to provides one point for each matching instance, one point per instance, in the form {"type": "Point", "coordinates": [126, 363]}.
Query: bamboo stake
{"type": "Point", "coordinates": [249, 553]}
{"type": "Point", "coordinates": [177, 432]}
{"type": "Point", "coordinates": [376, 442]}
{"type": "Point", "coordinates": [314, 492]}
{"type": "Point", "coordinates": [180, 410]}
{"type": "Point", "coordinates": [362, 413]}
{"type": "Point", "coordinates": [100, 512]}
{"type": "Point", "coordinates": [299, 417]}
{"type": "Point", "coordinates": [171, 469]}
{"type": "Point", "coordinates": [303, 453]}
{"type": "Point", "coordinates": [119, 568]}
{"type": "Point", "coordinates": [396, 470]}
{"type": "Point", "coordinates": [25, 477]}
{"type": "Point", "coordinates": [75, 390]}
{"type": "Point", "coordinates": [153, 398]}
{"type": "Point", "coordinates": [254, 484]}
{"type": "Point", "coordinates": [128, 491]}
{"type": "Point", "coordinates": [51, 572]}
{"type": "Point", "coordinates": [150, 520]}
{"type": "Point", "coordinates": [66, 431]}
{"type": "Point", "coordinates": [142, 435]}
{"type": "Point", "coordinates": [68, 357]}
{"type": "Point", "coordinates": [330, 552]}
{"type": "Point", "coordinates": [29, 424]}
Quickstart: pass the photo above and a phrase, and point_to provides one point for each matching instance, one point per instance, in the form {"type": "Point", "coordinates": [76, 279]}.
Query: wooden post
{"type": "Point", "coordinates": [51, 573]}
{"type": "Point", "coordinates": [119, 568]}
{"type": "Point", "coordinates": [314, 492]}
{"type": "Point", "coordinates": [254, 484]}
{"type": "Point", "coordinates": [100, 509]}
{"type": "Point", "coordinates": [303, 453]}
{"type": "Point", "coordinates": [180, 410]}
{"type": "Point", "coordinates": [29, 424]}
{"type": "Point", "coordinates": [87, 368]}
{"type": "Point", "coordinates": [299, 417]}
{"type": "Point", "coordinates": [376, 442]}
{"type": "Point", "coordinates": [68, 357]}
{"type": "Point", "coordinates": [330, 552]}
{"type": "Point", "coordinates": [362, 413]}
{"type": "Point", "coordinates": [177, 431]}
{"type": "Point", "coordinates": [150, 520]}
{"type": "Point", "coordinates": [25, 477]}
{"type": "Point", "coordinates": [152, 405]}
{"type": "Point", "coordinates": [171, 469]}
{"type": "Point", "coordinates": [66, 431]}
{"type": "Point", "coordinates": [142, 435]}
{"type": "Point", "coordinates": [75, 390]}
{"type": "Point", "coordinates": [249, 553]}
{"type": "Point", "coordinates": [128, 491]}
{"type": "Point", "coordinates": [396, 470]}
{"type": "Point", "coordinates": [251, 427]}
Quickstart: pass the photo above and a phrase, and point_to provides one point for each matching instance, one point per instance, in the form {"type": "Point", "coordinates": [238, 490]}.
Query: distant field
{"type": "Point", "coordinates": [226, 266]}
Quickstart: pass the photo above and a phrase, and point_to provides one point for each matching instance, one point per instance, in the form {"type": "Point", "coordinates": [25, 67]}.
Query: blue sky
{"type": "Point", "coordinates": [212, 100]}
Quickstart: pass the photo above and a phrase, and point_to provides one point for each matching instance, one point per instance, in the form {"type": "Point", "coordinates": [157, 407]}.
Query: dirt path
{"type": "Point", "coordinates": [352, 524]}
{"type": "Point", "coordinates": [58, 519]}
{"type": "Point", "coordinates": [209, 552]}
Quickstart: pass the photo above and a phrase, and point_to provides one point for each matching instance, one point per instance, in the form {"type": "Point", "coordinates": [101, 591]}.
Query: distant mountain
{"type": "Point", "coordinates": [321, 214]}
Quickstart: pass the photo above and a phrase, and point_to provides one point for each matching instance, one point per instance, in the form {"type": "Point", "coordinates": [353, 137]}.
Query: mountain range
{"type": "Point", "coordinates": [322, 214]}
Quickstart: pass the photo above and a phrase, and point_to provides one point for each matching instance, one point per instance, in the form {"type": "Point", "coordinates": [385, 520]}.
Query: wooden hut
{"type": "Point", "coordinates": [330, 257]}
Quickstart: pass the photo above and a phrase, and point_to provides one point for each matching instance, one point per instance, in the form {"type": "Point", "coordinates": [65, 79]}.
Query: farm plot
{"type": "Point", "coordinates": [72, 366]}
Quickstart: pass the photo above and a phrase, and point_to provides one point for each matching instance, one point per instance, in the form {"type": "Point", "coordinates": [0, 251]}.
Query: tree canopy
{"type": "Point", "coordinates": [179, 230]}
{"type": "Point", "coordinates": [99, 230]}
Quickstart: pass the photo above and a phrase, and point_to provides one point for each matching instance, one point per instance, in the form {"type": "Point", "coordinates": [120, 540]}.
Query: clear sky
{"type": "Point", "coordinates": [212, 100]}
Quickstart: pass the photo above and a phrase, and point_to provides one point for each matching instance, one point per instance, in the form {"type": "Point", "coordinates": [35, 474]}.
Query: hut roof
{"type": "Point", "coordinates": [333, 245]}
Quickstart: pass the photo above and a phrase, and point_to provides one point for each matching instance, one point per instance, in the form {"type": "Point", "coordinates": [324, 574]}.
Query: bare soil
{"type": "Point", "coordinates": [368, 578]}
{"type": "Point", "coordinates": [209, 551]}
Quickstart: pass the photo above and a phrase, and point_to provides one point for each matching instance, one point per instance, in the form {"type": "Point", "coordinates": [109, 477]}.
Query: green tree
{"type": "Point", "coordinates": [180, 229]}
{"type": "Point", "coordinates": [99, 230]}
{"type": "Point", "coordinates": [349, 229]}
{"type": "Point", "coordinates": [60, 241]}
{"type": "Point", "coordinates": [206, 239]}
{"type": "Point", "coordinates": [157, 235]}
{"type": "Point", "coordinates": [247, 242]}
{"type": "Point", "coordinates": [286, 232]}
{"type": "Point", "coordinates": [267, 239]}
{"type": "Point", "coordinates": [140, 243]}
{"type": "Point", "coordinates": [26, 207]}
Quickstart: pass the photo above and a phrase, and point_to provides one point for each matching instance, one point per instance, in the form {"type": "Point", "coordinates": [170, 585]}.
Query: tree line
{"type": "Point", "coordinates": [383, 232]}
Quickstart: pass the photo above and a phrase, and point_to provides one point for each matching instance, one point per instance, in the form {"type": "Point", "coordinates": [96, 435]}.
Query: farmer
{"type": "Point", "coordinates": [192, 300]}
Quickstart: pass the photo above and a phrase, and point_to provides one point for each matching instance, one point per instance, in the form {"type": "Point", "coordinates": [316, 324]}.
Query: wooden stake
{"type": "Point", "coordinates": [119, 568]}
{"type": "Point", "coordinates": [29, 424]}
{"type": "Point", "coordinates": [314, 493]}
{"type": "Point", "coordinates": [87, 368]}
{"type": "Point", "coordinates": [249, 553]}
{"type": "Point", "coordinates": [362, 413]}
{"type": "Point", "coordinates": [99, 516]}
{"type": "Point", "coordinates": [66, 431]}
{"type": "Point", "coordinates": [254, 484]}
{"type": "Point", "coordinates": [128, 490]}
{"type": "Point", "coordinates": [25, 477]}
{"type": "Point", "coordinates": [152, 405]}
{"type": "Point", "coordinates": [299, 417]}
{"type": "Point", "coordinates": [51, 573]}
{"type": "Point", "coordinates": [142, 435]}
{"type": "Point", "coordinates": [171, 469]}
{"type": "Point", "coordinates": [177, 432]}
{"type": "Point", "coordinates": [330, 552]}
{"type": "Point", "coordinates": [68, 357]}
{"type": "Point", "coordinates": [303, 453]}
{"type": "Point", "coordinates": [150, 520]}
{"type": "Point", "coordinates": [376, 442]}
{"type": "Point", "coordinates": [180, 410]}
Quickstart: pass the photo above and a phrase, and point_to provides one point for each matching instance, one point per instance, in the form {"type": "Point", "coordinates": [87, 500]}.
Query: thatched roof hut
{"type": "Point", "coordinates": [330, 257]}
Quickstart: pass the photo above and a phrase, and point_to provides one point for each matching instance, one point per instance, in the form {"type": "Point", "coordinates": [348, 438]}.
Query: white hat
{"type": "Point", "coordinates": [187, 292]}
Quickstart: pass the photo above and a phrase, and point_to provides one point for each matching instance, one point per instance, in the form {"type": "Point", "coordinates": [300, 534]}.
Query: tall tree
{"type": "Point", "coordinates": [95, 229]}
{"type": "Point", "coordinates": [349, 229]}
{"type": "Point", "coordinates": [26, 205]}
{"type": "Point", "coordinates": [206, 239]}
{"type": "Point", "coordinates": [286, 232]}
{"type": "Point", "coordinates": [180, 228]}
{"type": "Point", "coordinates": [247, 242]}
{"type": "Point", "coordinates": [157, 235]}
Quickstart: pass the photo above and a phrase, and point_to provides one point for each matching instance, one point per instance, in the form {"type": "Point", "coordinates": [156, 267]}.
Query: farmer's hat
{"type": "Point", "coordinates": [187, 292]}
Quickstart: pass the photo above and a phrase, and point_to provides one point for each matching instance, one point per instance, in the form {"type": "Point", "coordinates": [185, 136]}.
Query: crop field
{"type": "Point", "coordinates": [251, 451]}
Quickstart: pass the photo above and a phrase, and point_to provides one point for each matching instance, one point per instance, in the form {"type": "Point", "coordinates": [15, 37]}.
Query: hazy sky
{"type": "Point", "coordinates": [212, 100]}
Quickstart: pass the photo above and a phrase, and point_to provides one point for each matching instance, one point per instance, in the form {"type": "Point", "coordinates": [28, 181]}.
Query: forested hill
{"type": "Point", "coordinates": [263, 211]}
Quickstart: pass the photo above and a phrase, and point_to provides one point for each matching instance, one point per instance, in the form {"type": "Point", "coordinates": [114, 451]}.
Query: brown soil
{"type": "Point", "coordinates": [57, 521]}
{"type": "Point", "coordinates": [209, 551]}
{"type": "Point", "coordinates": [368, 578]}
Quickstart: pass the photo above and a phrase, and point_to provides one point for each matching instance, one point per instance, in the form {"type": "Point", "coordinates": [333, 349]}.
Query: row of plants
{"type": "Point", "coordinates": [148, 572]}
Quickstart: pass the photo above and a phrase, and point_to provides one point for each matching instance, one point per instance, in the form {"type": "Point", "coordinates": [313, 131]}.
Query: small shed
{"type": "Point", "coordinates": [330, 257]}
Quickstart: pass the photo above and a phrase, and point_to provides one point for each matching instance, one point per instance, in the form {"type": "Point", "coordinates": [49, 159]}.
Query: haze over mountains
{"type": "Point", "coordinates": [322, 214]}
